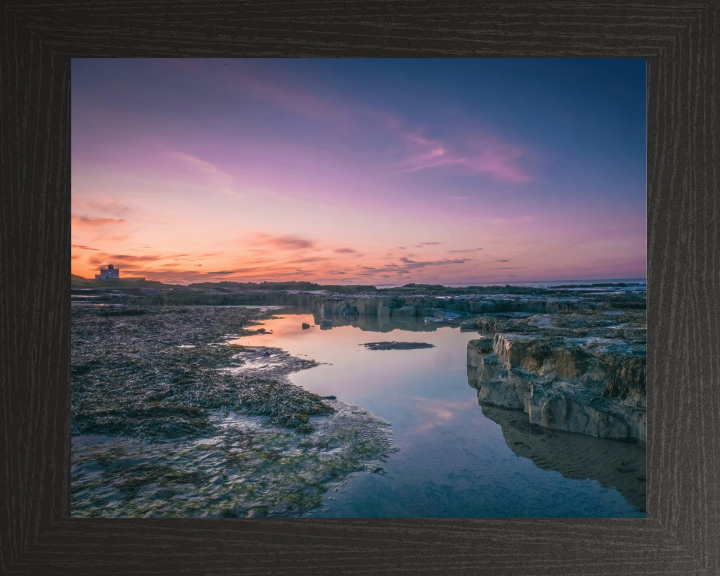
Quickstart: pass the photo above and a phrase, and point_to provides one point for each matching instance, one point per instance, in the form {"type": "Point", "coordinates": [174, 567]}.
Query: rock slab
{"type": "Point", "coordinates": [397, 345]}
{"type": "Point", "coordinates": [577, 372]}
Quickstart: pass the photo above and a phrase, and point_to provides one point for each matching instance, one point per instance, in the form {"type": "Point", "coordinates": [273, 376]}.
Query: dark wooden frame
{"type": "Point", "coordinates": [681, 43]}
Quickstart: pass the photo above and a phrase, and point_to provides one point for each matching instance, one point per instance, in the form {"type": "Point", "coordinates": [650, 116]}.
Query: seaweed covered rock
{"type": "Point", "coordinates": [157, 372]}
{"type": "Point", "coordinates": [397, 345]}
{"type": "Point", "coordinates": [477, 349]}
{"type": "Point", "coordinates": [246, 469]}
{"type": "Point", "coordinates": [582, 372]}
{"type": "Point", "coordinates": [171, 417]}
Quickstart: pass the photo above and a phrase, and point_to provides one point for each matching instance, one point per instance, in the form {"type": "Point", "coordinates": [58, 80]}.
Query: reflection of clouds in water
{"type": "Point", "coordinates": [438, 412]}
{"type": "Point", "coordinates": [444, 359]}
{"type": "Point", "coordinates": [444, 438]}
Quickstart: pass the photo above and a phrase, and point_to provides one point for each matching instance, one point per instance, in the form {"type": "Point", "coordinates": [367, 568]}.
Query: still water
{"type": "Point", "coordinates": [456, 458]}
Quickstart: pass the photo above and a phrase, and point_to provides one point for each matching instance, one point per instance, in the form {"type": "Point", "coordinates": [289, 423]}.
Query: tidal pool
{"type": "Point", "coordinates": [455, 458]}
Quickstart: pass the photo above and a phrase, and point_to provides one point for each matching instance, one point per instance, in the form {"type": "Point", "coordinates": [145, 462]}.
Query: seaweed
{"type": "Point", "coordinates": [246, 469]}
{"type": "Point", "coordinates": [627, 376]}
{"type": "Point", "coordinates": [131, 378]}
{"type": "Point", "coordinates": [167, 420]}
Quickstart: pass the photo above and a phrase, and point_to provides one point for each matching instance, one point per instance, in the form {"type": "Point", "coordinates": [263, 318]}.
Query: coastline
{"type": "Point", "coordinates": [160, 389]}
{"type": "Point", "coordinates": [171, 419]}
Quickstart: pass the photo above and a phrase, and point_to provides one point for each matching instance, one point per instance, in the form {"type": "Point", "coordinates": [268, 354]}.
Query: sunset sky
{"type": "Point", "coordinates": [359, 171]}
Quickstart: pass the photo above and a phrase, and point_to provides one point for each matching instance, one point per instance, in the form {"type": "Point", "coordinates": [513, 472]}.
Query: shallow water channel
{"type": "Point", "coordinates": [455, 458]}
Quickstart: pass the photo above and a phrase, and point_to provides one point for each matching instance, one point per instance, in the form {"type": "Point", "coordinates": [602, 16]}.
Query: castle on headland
{"type": "Point", "coordinates": [112, 273]}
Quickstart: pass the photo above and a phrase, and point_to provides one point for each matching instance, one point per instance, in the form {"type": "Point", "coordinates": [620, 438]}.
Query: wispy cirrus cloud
{"type": "Point", "coordinates": [217, 176]}
{"type": "Point", "coordinates": [85, 221]}
{"type": "Point", "coordinates": [294, 99]}
{"type": "Point", "coordinates": [487, 156]}
{"type": "Point", "coordinates": [100, 202]}
{"type": "Point", "coordinates": [490, 156]}
{"type": "Point", "coordinates": [245, 80]}
{"type": "Point", "coordinates": [285, 242]}
{"type": "Point", "coordinates": [131, 261]}
{"type": "Point", "coordinates": [225, 272]}
{"type": "Point", "coordinates": [146, 258]}
{"type": "Point", "coordinates": [344, 251]}
{"type": "Point", "coordinates": [177, 272]}
{"type": "Point", "coordinates": [461, 251]}
{"type": "Point", "coordinates": [407, 265]}
{"type": "Point", "coordinates": [500, 160]}
{"type": "Point", "coordinates": [525, 219]}
{"type": "Point", "coordinates": [104, 258]}
{"type": "Point", "coordinates": [412, 264]}
{"type": "Point", "coordinates": [308, 260]}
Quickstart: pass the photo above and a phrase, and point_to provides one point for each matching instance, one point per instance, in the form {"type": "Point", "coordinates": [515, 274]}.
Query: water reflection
{"type": "Point", "coordinates": [369, 323]}
{"type": "Point", "coordinates": [377, 323]}
{"type": "Point", "coordinates": [576, 456]}
{"type": "Point", "coordinates": [454, 460]}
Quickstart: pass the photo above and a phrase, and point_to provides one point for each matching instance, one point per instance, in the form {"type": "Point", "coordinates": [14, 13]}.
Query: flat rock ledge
{"type": "Point", "coordinates": [397, 345]}
{"type": "Point", "coordinates": [582, 372]}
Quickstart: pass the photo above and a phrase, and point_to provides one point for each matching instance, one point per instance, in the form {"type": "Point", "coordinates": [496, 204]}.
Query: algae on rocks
{"type": "Point", "coordinates": [156, 397]}
{"type": "Point", "coordinates": [577, 371]}
{"type": "Point", "coordinates": [155, 372]}
{"type": "Point", "coordinates": [397, 345]}
{"type": "Point", "coordinates": [246, 469]}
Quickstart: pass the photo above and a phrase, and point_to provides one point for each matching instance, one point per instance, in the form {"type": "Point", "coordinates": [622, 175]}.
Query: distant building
{"type": "Point", "coordinates": [109, 273]}
{"type": "Point", "coordinates": [112, 273]}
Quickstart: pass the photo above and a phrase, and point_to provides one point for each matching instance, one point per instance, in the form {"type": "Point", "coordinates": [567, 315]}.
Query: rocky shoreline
{"type": "Point", "coordinates": [580, 371]}
{"type": "Point", "coordinates": [171, 418]}
{"type": "Point", "coordinates": [571, 357]}
{"type": "Point", "coordinates": [410, 301]}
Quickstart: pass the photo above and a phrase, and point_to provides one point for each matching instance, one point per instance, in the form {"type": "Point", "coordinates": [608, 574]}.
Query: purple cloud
{"type": "Point", "coordinates": [488, 156]}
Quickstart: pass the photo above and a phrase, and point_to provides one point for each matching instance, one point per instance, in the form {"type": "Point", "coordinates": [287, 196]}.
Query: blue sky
{"type": "Point", "coordinates": [278, 167]}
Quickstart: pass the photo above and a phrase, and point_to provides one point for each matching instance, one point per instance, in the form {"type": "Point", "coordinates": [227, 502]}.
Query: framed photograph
{"type": "Point", "coordinates": [409, 303]}
{"type": "Point", "coordinates": [358, 288]}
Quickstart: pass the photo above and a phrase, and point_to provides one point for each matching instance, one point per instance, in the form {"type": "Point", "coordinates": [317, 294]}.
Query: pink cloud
{"type": "Point", "coordinates": [212, 172]}
{"type": "Point", "coordinates": [267, 89]}
{"type": "Point", "coordinates": [295, 100]}
{"type": "Point", "coordinates": [500, 161]}
{"type": "Point", "coordinates": [459, 251]}
{"type": "Point", "coordinates": [102, 203]}
{"type": "Point", "coordinates": [490, 156]}
{"type": "Point", "coordinates": [84, 221]}
{"type": "Point", "coordinates": [286, 242]}
{"type": "Point", "coordinates": [525, 219]}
